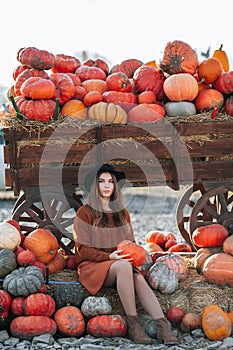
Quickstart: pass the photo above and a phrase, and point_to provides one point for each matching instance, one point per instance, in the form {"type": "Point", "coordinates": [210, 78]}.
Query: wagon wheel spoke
{"type": "Point", "coordinates": [53, 211]}
{"type": "Point", "coordinates": [185, 206]}
{"type": "Point", "coordinates": [218, 202]}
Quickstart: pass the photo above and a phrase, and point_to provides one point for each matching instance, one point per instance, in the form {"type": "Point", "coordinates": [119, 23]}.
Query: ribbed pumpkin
{"type": "Point", "coordinates": [209, 70]}
{"type": "Point", "coordinates": [28, 327]}
{"type": "Point", "coordinates": [160, 276]}
{"type": "Point", "coordinates": [137, 252]}
{"type": "Point", "coordinates": [107, 326]}
{"type": "Point", "coordinates": [179, 57]}
{"type": "Point", "coordinates": [107, 113]}
{"type": "Point", "coordinates": [208, 99]}
{"type": "Point", "coordinates": [210, 235]}
{"type": "Point", "coordinates": [70, 321]}
{"type": "Point", "coordinates": [38, 88]}
{"type": "Point", "coordinates": [126, 100]}
{"type": "Point", "coordinates": [149, 78]}
{"type": "Point", "coordinates": [43, 243]}
{"type": "Point", "coordinates": [37, 304]}
{"type": "Point", "coordinates": [181, 87]}
{"type": "Point", "coordinates": [65, 64]}
{"type": "Point", "coordinates": [23, 281]}
{"type": "Point", "coordinates": [65, 88]}
{"type": "Point", "coordinates": [85, 73]}
{"type": "Point", "coordinates": [5, 304]}
{"type": "Point", "coordinates": [7, 261]}
{"type": "Point", "coordinates": [216, 324]}
{"type": "Point", "coordinates": [127, 66]}
{"type": "Point", "coordinates": [68, 294]}
{"type": "Point", "coordinates": [218, 269]}
{"type": "Point", "coordinates": [222, 56]}
{"type": "Point", "coordinates": [177, 263]}
{"type": "Point", "coordinates": [35, 58]}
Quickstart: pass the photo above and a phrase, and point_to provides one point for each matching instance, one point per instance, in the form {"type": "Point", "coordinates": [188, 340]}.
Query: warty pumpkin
{"type": "Point", "coordinates": [28, 327]}
{"type": "Point", "coordinates": [181, 87]}
{"type": "Point", "coordinates": [17, 70]}
{"type": "Point", "coordinates": [38, 88]}
{"type": "Point", "coordinates": [64, 85]}
{"type": "Point", "coordinates": [177, 263]}
{"type": "Point", "coordinates": [98, 62]}
{"type": "Point", "coordinates": [5, 304]}
{"type": "Point", "coordinates": [107, 113]}
{"type": "Point", "coordinates": [85, 73]}
{"type": "Point", "coordinates": [70, 321]}
{"type": "Point", "coordinates": [93, 306]}
{"type": "Point", "coordinates": [43, 243]}
{"type": "Point", "coordinates": [222, 56]}
{"type": "Point", "coordinates": [149, 78]}
{"type": "Point", "coordinates": [160, 276]}
{"type": "Point", "coordinates": [68, 294]}
{"type": "Point", "coordinates": [179, 57]}
{"type": "Point", "coordinates": [216, 324]}
{"type": "Point", "coordinates": [127, 66]}
{"type": "Point", "coordinates": [209, 70]}
{"type": "Point", "coordinates": [35, 58]}
{"type": "Point", "coordinates": [107, 326]}
{"type": "Point", "coordinates": [65, 64]}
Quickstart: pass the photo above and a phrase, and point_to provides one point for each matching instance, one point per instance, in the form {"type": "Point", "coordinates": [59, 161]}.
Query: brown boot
{"type": "Point", "coordinates": [164, 332]}
{"type": "Point", "coordinates": [136, 332]}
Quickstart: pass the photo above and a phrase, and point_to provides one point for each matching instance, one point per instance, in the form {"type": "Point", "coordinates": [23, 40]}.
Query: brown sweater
{"type": "Point", "coordinates": [93, 246]}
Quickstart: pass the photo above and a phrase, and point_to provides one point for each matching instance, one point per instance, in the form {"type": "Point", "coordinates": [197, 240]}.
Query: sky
{"type": "Point", "coordinates": [115, 30]}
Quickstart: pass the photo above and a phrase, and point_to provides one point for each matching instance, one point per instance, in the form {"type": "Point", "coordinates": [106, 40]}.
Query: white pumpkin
{"type": "Point", "coordinates": [9, 236]}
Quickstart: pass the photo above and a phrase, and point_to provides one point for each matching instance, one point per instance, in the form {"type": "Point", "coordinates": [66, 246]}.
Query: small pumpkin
{"type": "Point", "coordinates": [28, 327]}
{"type": "Point", "coordinates": [190, 322]}
{"type": "Point", "coordinates": [39, 304]}
{"type": "Point", "coordinates": [23, 281]}
{"type": "Point", "coordinates": [175, 314]}
{"type": "Point", "coordinates": [65, 64]}
{"type": "Point", "coordinates": [218, 269]}
{"type": "Point", "coordinates": [181, 87]}
{"type": "Point", "coordinates": [210, 235]}
{"type": "Point", "coordinates": [216, 324]}
{"type": "Point", "coordinates": [208, 99]}
{"type": "Point", "coordinates": [222, 56]}
{"type": "Point", "coordinates": [64, 85]}
{"type": "Point", "coordinates": [126, 100]}
{"type": "Point", "coordinates": [146, 97]}
{"type": "Point", "coordinates": [38, 88]}
{"type": "Point", "coordinates": [98, 62]}
{"type": "Point", "coordinates": [160, 276]}
{"type": "Point", "coordinates": [57, 264]}
{"type": "Point", "coordinates": [43, 243]}
{"type": "Point", "coordinates": [95, 85]}
{"type": "Point", "coordinates": [136, 252]}
{"type": "Point", "coordinates": [228, 245]}
{"type": "Point", "coordinates": [179, 57]}
{"type": "Point", "coordinates": [74, 108]}
{"type": "Point", "coordinates": [127, 66]}
{"type": "Point", "coordinates": [7, 261]}
{"type": "Point", "coordinates": [35, 58]}
{"type": "Point", "coordinates": [5, 304]}
{"type": "Point", "coordinates": [152, 247]}
{"type": "Point", "coordinates": [148, 325]}
{"type": "Point", "coordinates": [27, 74]}
{"type": "Point", "coordinates": [17, 70]}
{"type": "Point", "coordinates": [224, 83]}
{"type": "Point", "coordinates": [94, 306]}
{"type": "Point", "coordinates": [118, 82]}
{"type": "Point", "coordinates": [70, 321]}
{"type": "Point", "coordinates": [26, 258]}
{"type": "Point", "coordinates": [209, 70]}
{"type": "Point", "coordinates": [180, 247]}
{"type": "Point", "coordinates": [68, 294]}
{"type": "Point", "coordinates": [92, 97]}
{"type": "Point", "coordinates": [157, 237]}
{"type": "Point", "coordinates": [182, 108]}
{"type": "Point", "coordinates": [107, 113]}
{"type": "Point", "coordinates": [107, 326]}
{"type": "Point", "coordinates": [146, 113]}
{"type": "Point", "coordinates": [9, 236]}
{"type": "Point", "coordinates": [228, 106]}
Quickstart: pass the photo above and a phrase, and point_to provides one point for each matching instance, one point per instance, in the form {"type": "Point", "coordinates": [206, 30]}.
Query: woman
{"type": "Point", "coordinates": [98, 228]}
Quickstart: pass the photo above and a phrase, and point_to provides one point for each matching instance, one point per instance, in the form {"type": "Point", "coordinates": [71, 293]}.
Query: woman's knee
{"type": "Point", "coordinates": [122, 266]}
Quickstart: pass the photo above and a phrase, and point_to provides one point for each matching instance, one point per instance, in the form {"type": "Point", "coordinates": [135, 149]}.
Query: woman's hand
{"type": "Point", "coordinates": [115, 256]}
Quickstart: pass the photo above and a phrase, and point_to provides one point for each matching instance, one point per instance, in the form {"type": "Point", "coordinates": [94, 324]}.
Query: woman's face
{"type": "Point", "coordinates": [106, 185]}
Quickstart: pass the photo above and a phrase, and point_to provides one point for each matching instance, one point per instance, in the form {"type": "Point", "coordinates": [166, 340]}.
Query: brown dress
{"type": "Point", "coordinates": [93, 246]}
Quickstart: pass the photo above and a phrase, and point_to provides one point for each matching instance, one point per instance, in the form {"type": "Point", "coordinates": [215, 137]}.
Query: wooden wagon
{"type": "Point", "coordinates": [46, 167]}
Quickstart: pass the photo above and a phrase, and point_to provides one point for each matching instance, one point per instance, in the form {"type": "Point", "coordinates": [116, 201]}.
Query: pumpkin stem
{"type": "Point", "coordinates": [19, 115]}
{"type": "Point", "coordinates": [220, 49]}
{"type": "Point", "coordinates": [56, 109]}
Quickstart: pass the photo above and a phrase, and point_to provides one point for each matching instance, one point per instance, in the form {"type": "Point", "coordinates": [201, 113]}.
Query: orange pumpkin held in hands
{"type": "Point", "coordinates": [137, 252]}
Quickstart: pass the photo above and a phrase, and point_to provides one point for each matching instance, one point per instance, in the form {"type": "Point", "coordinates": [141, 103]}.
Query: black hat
{"type": "Point", "coordinates": [104, 168]}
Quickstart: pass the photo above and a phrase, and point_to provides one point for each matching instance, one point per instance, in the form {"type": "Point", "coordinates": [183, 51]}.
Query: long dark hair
{"type": "Point", "coordinates": [116, 204]}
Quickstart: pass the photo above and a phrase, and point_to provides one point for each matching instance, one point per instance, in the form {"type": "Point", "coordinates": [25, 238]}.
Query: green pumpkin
{"type": "Point", "coordinates": [24, 281]}
{"type": "Point", "coordinates": [7, 262]}
{"type": "Point", "coordinates": [68, 294]}
{"type": "Point", "coordinates": [183, 108]}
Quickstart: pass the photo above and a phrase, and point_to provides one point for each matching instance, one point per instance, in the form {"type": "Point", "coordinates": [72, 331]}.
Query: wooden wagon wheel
{"type": "Point", "coordinates": [184, 209]}
{"type": "Point", "coordinates": [218, 202]}
{"type": "Point", "coordinates": [53, 211]}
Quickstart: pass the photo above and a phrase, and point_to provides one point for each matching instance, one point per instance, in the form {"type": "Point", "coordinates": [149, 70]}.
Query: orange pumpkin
{"type": "Point", "coordinates": [43, 243]}
{"type": "Point", "coordinates": [65, 64]}
{"type": "Point", "coordinates": [26, 74]}
{"type": "Point", "coordinates": [218, 269]}
{"type": "Point", "coordinates": [92, 97]}
{"type": "Point", "coordinates": [179, 57]}
{"type": "Point", "coordinates": [181, 87]}
{"type": "Point", "coordinates": [202, 255]}
{"type": "Point", "coordinates": [216, 324]}
{"type": "Point", "coordinates": [222, 56]}
{"type": "Point", "coordinates": [136, 252]}
{"type": "Point", "coordinates": [152, 247]}
{"type": "Point", "coordinates": [228, 245]}
{"type": "Point", "coordinates": [147, 97]}
{"type": "Point", "coordinates": [38, 88]}
{"type": "Point", "coordinates": [95, 85]}
{"type": "Point", "coordinates": [209, 70]}
{"type": "Point", "coordinates": [208, 99]}
{"type": "Point", "coordinates": [157, 237]}
{"type": "Point", "coordinates": [57, 263]}
{"type": "Point", "coordinates": [107, 326]}
{"type": "Point", "coordinates": [65, 88]}
{"type": "Point", "coordinates": [74, 108]}
{"type": "Point", "coordinates": [146, 113]}
{"type": "Point", "coordinates": [70, 321]}
{"type": "Point", "coordinates": [210, 235]}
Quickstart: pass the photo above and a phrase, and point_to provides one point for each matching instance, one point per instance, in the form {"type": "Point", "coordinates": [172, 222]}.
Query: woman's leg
{"type": "Point", "coordinates": [147, 297]}
{"type": "Point", "coordinates": [121, 274]}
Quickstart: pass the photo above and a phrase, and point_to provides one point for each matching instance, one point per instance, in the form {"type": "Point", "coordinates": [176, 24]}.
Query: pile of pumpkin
{"type": "Point", "coordinates": [47, 86]}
